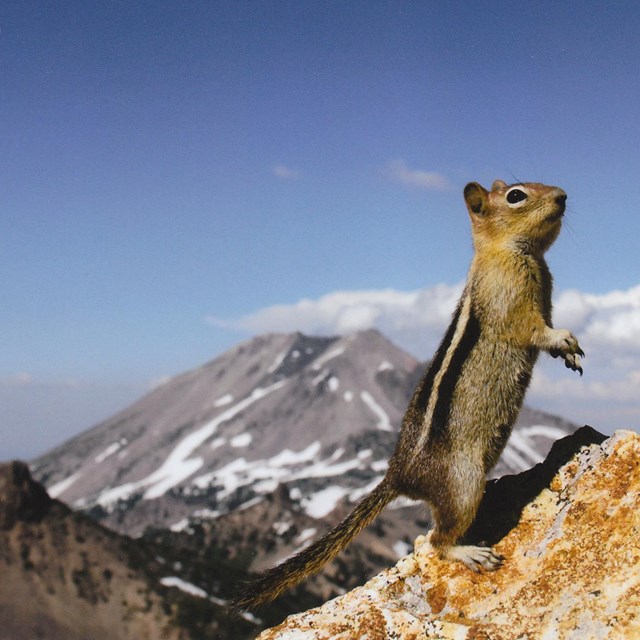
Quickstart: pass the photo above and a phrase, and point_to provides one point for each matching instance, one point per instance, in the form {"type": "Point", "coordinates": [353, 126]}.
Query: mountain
{"type": "Point", "coordinates": [65, 577]}
{"type": "Point", "coordinates": [316, 414]}
{"type": "Point", "coordinates": [245, 459]}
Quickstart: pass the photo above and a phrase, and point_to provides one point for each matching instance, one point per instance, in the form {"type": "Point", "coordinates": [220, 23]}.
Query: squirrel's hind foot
{"type": "Point", "coordinates": [475, 558]}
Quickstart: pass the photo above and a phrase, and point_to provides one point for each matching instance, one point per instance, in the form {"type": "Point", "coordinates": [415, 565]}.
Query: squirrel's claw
{"type": "Point", "coordinates": [572, 361]}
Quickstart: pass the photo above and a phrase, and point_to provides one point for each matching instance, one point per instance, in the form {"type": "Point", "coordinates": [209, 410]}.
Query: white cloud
{"type": "Point", "coordinates": [623, 388]}
{"type": "Point", "coordinates": [413, 319]}
{"type": "Point", "coordinates": [398, 171]}
{"type": "Point", "coordinates": [609, 321]}
{"type": "Point", "coordinates": [607, 325]}
{"type": "Point", "coordinates": [285, 173]}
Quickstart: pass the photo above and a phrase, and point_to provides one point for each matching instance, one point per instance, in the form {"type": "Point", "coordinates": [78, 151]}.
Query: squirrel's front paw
{"type": "Point", "coordinates": [563, 343]}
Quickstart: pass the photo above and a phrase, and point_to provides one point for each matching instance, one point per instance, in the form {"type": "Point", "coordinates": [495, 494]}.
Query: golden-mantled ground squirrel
{"type": "Point", "coordinates": [462, 412]}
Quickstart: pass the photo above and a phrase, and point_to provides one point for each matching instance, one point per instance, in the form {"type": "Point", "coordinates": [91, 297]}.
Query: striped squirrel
{"type": "Point", "coordinates": [463, 410]}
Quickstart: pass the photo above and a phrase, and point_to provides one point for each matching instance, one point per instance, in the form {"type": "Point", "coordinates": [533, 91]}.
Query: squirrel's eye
{"type": "Point", "coordinates": [516, 195]}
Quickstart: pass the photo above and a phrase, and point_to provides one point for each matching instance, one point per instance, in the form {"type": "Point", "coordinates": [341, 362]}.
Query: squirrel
{"type": "Point", "coordinates": [463, 410]}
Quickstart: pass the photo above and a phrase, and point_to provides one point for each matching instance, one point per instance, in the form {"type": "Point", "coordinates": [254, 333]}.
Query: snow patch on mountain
{"type": "Point", "coordinates": [183, 585]}
{"type": "Point", "coordinates": [242, 440]}
{"type": "Point", "coordinates": [181, 525]}
{"type": "Point", "coordinates": [384, 424]}
{"type": "Point", "coordinates": [60, 487]}
{"type": "Point", "coordinates": [322, 503]}
{"type": "Point", "coordinates": [522, 450]}
{"type": "Point", "coordinates": [543, 430]}
{"type": "Point", "coordinates": [179, 466]}
{"type": "Point", "coordinates": [224, 400]}
{"type": "Point", "coordinates": [281, 527]}
{"type": "Point", "coordinates": [380, 465]}
{"type": "Point", "coordinates": [192, 589]}
{"type": "Point", "coordinates": [321, 377]}
{"type": "Point", "coordinates": [110, 450]}
{"type": "Point", "coordinates": [248, 504]}
{"type": "Point", "coordinates": [266, 474]}
{"type": "Point", "coordinates": [305, 535]}
{"type": "Point", "coordinates": [323, 359]}
{"type": "Point", "coordinates": [288, 457]}
{"type": "Point", "coordinates": [277, 362]}
{"type": "Point", "coordinates": [329, 467]}
{"type": "Point", "coordinates": [513, 458]}
{"type": "Point", "coordinates": [401, 548]}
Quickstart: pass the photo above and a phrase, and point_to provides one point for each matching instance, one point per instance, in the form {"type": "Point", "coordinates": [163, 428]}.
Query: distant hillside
{"type": "Point", "coordinates": [64, 577]}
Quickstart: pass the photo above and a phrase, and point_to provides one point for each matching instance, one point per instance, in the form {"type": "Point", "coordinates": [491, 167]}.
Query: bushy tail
{"type": "Point", "coordinates": [273, 582]}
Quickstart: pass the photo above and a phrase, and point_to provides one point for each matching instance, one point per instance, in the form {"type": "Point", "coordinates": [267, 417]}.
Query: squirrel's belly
{"type": "Point", "coordinates": [488, 397]}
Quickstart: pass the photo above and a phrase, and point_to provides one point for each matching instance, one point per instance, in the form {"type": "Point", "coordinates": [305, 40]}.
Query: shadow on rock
{"type": "Point", "coordinates": [506, 497]}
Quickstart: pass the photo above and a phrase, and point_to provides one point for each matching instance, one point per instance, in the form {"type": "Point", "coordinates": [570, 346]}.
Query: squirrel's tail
{"type": "Point", "coordinates": [273, 582]}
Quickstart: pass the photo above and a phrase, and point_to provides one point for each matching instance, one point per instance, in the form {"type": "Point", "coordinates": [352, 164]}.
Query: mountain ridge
{"type": "Point", "coordinates": [65, 577]}
{"type": "Point", "coordinates": [279, 408]}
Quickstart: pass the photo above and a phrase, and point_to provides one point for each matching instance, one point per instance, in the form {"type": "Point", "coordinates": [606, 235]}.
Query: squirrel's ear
{"type": "Point", "coordinates": [475, 196]}
{"type": "Point", "coordinates": [498, 184]}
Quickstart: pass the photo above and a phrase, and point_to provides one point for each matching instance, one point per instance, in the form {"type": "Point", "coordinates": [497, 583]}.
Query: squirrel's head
{"type": "Point", "coordinates": [527, 214]}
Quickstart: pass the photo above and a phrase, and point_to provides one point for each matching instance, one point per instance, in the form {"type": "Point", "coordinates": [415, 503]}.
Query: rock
{"type": "Point", "coordinates": [568, 529]}
{"type": "Point", "coordinates": [21, 498]}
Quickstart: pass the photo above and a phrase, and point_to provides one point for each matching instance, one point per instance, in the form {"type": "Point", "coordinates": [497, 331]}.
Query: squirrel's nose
{"type": "Point", "coordinates": [561, 199]}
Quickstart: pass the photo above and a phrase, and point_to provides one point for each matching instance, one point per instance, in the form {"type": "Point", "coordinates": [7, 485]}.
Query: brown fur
{"type": "Point", "coordinates": [461, 414]}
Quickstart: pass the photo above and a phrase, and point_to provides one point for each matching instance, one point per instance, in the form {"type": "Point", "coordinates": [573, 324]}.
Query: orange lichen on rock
{"type": "Point", "coordinates": [572, 566]}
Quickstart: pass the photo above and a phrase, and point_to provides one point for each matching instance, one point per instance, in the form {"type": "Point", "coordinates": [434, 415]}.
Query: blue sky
{"type": "Point", "coordinates": [171, 171]}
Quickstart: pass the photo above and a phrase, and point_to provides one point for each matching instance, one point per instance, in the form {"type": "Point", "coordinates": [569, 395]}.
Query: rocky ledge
{"type": "Point", "coordinates": [569, 530]}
